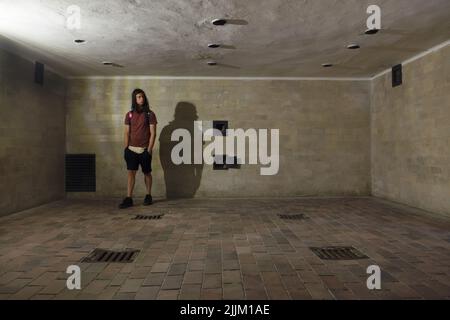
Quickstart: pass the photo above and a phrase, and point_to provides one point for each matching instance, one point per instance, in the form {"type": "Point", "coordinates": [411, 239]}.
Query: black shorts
{"type": "Point", "coordinates": [134, 159]}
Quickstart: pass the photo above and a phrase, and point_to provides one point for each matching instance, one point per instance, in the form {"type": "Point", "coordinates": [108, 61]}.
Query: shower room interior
{"type": "Point", "coordinates": [339, 115]}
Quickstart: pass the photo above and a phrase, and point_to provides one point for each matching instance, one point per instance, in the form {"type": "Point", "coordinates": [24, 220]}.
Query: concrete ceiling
{"type": "Point", "coordinates": [269, 38]}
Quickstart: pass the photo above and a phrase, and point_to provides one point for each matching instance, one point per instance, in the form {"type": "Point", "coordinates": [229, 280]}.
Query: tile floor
{"type": "Point", "coordinates": [225, 249]}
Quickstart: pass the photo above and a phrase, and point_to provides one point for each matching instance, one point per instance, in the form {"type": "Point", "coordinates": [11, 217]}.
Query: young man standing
{"type": "Point", "coordinates": [140, 134]}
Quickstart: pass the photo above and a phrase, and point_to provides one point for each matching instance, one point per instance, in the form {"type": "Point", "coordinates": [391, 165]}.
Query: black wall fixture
{"type": "Point", "coordinates": [233, 163]}
{"type": "Point", "coordinates": [39, 73]}
{"type": "Point", "coordinates": [80, 173]}
{"type": "Point", "coordinates": [220, 166]}
{"type": "Point", "coordinates": [221, 126]}
{"type": "Point", "coordinates": [397, 75]}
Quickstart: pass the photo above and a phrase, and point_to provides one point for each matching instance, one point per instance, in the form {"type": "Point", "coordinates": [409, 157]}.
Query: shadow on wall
{"type": "Point", "coordinates": [182, 181]}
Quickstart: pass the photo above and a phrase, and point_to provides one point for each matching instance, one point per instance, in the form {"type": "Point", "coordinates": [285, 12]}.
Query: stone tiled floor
{"type": "Point", "coordinates": [224, 249]}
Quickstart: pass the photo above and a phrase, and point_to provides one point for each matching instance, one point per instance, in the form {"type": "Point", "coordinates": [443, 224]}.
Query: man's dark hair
{"type": "Point", "coordinates": [134, 104]}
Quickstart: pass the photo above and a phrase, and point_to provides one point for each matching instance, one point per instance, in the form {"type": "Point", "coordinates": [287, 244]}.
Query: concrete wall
{"type": "Point", "coordinates": [336, 137]}
{"type": "Point", "coordinates": [324, 134]}
{"type": "Point", "coordinates": [411, 135]}
{"type": "Point", "coordinates": [32, 136]}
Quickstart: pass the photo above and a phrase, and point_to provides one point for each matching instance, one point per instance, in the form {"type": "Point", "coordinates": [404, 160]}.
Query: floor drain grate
{"type": "Point", "coordinates": [293, 216]}
{"type": "Point", "coordinates": [102, 255]}
{"type": "Point", "coordinates": [147, 217]}
{"type": "Point", "coordinates": [338, 253]}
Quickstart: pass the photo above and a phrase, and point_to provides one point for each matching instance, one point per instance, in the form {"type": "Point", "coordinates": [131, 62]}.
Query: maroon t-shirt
{"type": "Point", "coordinates": [139, 123]}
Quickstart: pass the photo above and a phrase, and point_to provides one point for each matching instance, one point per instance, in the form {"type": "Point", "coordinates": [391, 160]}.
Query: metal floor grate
{"type": "Point", "coordinates": [338, 253]}
{"type": "Point", "coordinates": [147, 217]}
{"type": "Point", "coordinates": [300, 216]}
{"type": "Point", "coordinates": [102, 255]}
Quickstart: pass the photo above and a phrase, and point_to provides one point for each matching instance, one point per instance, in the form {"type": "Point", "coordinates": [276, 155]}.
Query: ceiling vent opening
{"type": "Point", "coordinates": [219, 22]}
{"type": "Point", "coordinates": [353, 46]}
{"type": "Point", "coordinates": [371, 31]}
{"type": "Point", "coordinates": [112, 64]}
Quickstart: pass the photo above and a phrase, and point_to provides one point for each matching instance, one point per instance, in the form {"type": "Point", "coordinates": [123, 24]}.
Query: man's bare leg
{"type": "Point", "coordinates": [148, 183]}
{"type": "Point", "coordinates": [128, 201]}
{"type": "Point", "coordinates": [131, 182]}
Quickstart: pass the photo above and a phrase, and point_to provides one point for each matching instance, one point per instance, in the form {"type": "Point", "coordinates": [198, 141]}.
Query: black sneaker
{"type": "Point", "coordinates": [148, 200]}
{"type": "Point", "coordinates": [126, 203]}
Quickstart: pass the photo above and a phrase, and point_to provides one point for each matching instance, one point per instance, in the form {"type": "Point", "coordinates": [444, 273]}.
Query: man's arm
{"type": "Point", "coordinates": [152, 137]}
{"type": "Point", "coordinates": [126, 135]}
